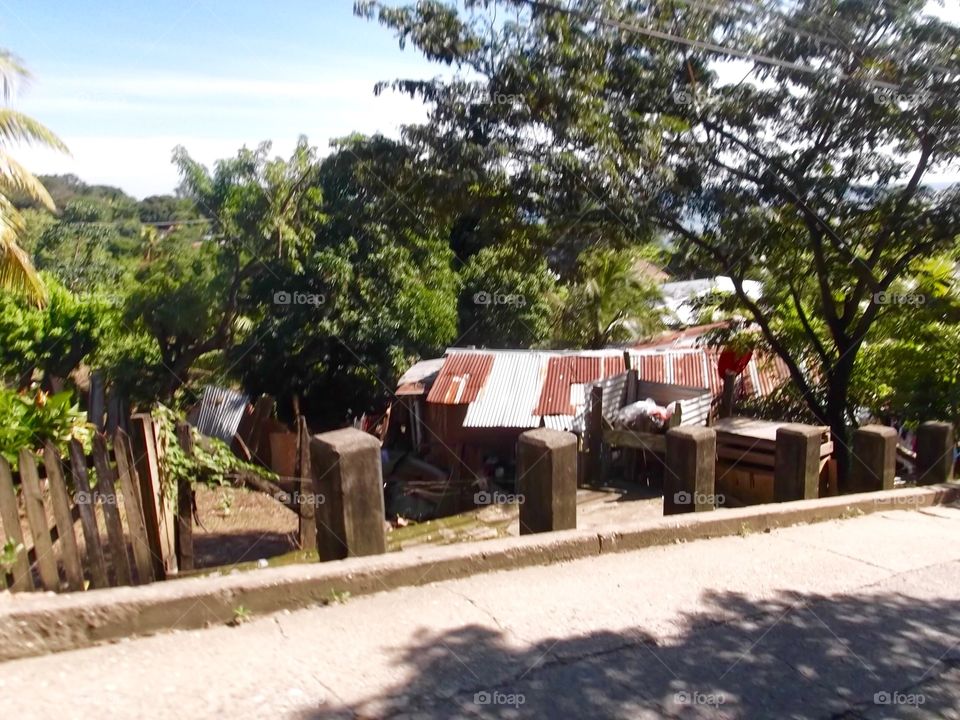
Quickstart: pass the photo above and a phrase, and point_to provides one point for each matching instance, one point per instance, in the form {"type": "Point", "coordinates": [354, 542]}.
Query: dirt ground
{"type": "Point", "coordinates": [241, 527]}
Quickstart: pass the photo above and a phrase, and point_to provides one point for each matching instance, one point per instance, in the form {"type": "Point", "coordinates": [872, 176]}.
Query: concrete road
{"type": "Point", "coordinates": [852, 619]}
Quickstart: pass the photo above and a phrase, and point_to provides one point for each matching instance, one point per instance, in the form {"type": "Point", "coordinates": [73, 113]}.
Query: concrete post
{"type": "Point", "coordinates": [349, 486]}
{"type": "Point", "coordinates": [796, 463]}
{"type": "Point", "coordinates": [690, 473]}
{"type": "Point", "coordinates": [547, 480]}
{"type": "Point", "coordinates": [935, 446]}
{"type": "Point", "coordinates": [874, 461]}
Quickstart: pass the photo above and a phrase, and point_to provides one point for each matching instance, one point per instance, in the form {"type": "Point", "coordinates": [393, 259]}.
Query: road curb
{"type": "Point", "coordinates": [35, 624]}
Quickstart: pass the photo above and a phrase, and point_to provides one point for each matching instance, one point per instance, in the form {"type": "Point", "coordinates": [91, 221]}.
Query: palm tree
{"type": "Point", "coordinates": [17, 273]}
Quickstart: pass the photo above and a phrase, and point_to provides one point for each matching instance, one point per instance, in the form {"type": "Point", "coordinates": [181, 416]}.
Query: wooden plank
{"type": "Point", "coordinates": [96, 401]}
{"type": "Point", "coordinates": [184, 527]}
{"type": "Point", "coordinates": [262, 412]}
{"type": "Point", "coordinates": [88, 517]}
{"type": "Point", "coordinates": [110, 502]}
{"type": "Point", "coordinates": [651, 442]}
{"type": "Point", "coordinates": [739, 455]}
{"type": "Point", "coordinates": [37, 518]}
{"type": "Point", "coordinates": [130, 487]}
{"type": "Point", "coordinates": [60, 499]}
{"type": "Point", "coordinates": [595, 436]}
{"type": "Point", "coordinates": [10, 517]}
{"type": "Point", "coordinates": [307, 534]}
{"type": "Point", "coordinates": [157, 509]}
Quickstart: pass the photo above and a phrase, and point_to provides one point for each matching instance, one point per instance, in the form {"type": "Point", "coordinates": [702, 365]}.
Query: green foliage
{"type": "Point", "coordinates": [506, 298]}
{"type": "Point", "coordinates": [53, 340]}
{"type": "Point", "coordinates": [211, 464]}
{"type": "Point", "coordinates": [607, 303]}
{"type": "Point", "coordinates": [30, 420]}
{"type": "Point", "coordinates": [812, 182]}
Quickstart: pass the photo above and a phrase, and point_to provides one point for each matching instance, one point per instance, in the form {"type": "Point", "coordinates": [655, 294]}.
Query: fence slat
{"type": "Point", "coordinates": [88, 517]}
{"type": "Point", "coordinates": [37, 517]}
{"type": "Point", "coordinates": [184, 528]}
{"type": "Point", "coordinates": [10, 517]}
{"type": "Point", "coordinates": [61, 512]}
{"type": "Point", "coordinates": [129, 485]}
{"type": "Point", "coordinates": [107, 493]}
{"type": "Point", "coordinates": [157, 511]}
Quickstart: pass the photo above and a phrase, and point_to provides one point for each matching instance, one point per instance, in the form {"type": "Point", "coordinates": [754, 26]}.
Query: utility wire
{"type": "Point", "coordinates": [709, 46]}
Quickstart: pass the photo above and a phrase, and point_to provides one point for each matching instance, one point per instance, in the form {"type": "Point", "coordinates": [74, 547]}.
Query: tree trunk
{"type": "Point", "coordinates": [838, 390]}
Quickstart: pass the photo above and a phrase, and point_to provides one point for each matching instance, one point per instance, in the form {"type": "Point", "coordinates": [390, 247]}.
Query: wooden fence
{"type": "Point", "coordinates": [127, 501]}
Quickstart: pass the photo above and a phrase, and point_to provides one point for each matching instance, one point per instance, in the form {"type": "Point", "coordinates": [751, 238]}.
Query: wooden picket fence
{"type": "Point", "coordinates": [127, 501]}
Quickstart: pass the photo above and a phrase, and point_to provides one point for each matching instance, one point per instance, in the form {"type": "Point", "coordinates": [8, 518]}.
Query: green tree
{"type": "Point", "coordinates": [506, 300]}
{"type": "Point", "coordinates": [809, 174]}
{"type": "Point", "coordinates": [607, 303]}
{"type": "Point", "coordinates": [17, 273]}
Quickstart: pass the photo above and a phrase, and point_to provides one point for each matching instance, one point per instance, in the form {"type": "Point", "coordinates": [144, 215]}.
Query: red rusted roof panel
{"type": "Point", "coordinates": [562, 372]}
{"type": "Point", "coordinates": [461, 378]}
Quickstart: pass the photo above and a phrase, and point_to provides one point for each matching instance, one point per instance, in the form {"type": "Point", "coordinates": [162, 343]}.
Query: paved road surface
{"type": "Point", "coordinates": [852, 619]}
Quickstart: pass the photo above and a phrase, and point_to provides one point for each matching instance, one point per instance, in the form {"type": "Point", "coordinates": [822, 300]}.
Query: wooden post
{"type": "Point", "coordinates": [130, 486]}
{"type": "Point", "coordinates": [64, 517]}
{"type": "Point", "coordinates": [595, 437]}
{"type": "Point", "coordinates": [88, 517]}
{"type": "Point", "coordinates": [726, 400]}
{"type": "Point", "coordinates": [184, 530]}
{"type": "Point", "coordinates": [630, 454]}
{"type": "Point", "coordinates": [10, 517]}
{"type": "Point", "coordinates": [307, 534]}
{"type": "Point", "coordinates": [37, 517]}
{"type": "Point", "coordinates": [96, 402]}
{"type": "Point", "coordinates": [110, 502]}
{"type": "Point", "coordinates": [158, 511]}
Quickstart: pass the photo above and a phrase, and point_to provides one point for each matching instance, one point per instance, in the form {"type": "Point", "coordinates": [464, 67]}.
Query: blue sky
{"type": "Point", "coordinates": [124, 82]}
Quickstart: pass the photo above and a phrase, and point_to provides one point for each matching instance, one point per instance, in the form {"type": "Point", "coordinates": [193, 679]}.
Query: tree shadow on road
{"type": "Point", "coordinates": [796, 656]}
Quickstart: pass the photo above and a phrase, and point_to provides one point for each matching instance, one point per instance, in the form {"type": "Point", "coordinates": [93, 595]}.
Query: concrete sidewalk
{"type": "Point", "coordinates": [853, 618]}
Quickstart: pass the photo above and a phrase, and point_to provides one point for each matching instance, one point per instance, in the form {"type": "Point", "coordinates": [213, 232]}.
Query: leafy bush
{"type": "Point", "coordinates": [29, 420]}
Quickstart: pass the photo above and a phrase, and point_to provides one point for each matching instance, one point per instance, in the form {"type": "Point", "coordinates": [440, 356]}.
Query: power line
{"type": "Point", "coordinates": [709, 46]}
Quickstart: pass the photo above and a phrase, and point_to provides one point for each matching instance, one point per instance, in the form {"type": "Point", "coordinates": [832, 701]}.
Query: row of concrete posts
{"type": "Point", "coordinates": [348, 486]}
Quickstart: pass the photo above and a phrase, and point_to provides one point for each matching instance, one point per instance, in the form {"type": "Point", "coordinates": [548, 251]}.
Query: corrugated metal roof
{"type": "Point", "coordinates": [419, 377]}
{"type": "Point", "coordinates": [509, 396]}
{"type": "Point", "coordinates": [461, 378]}
{"type": "Point", "coordinates": [220, 412]}
{"type": "Point", "coordinates": [563, 372]}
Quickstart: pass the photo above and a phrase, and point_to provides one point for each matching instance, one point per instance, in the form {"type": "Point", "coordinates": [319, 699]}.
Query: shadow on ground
{"type": "Point", "coordinates": [232, 548]}
{"type": "Point", "coordinates": [802, 656]}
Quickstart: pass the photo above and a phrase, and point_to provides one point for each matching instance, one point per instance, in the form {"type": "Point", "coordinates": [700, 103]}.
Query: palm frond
{"type": "Point", "coordinates": [19, 128]}
{"type": "Point", "coordinates": [17, 274]}
{"type": "Point", "coordinates": [11, 71]}
{"type": "Point", "coordinates": [16, 180]}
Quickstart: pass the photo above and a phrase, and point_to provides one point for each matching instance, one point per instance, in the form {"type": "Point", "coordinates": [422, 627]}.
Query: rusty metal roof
{"type": "Point", "coordinates": [509, 396]}
{"type": "Point", "coordinates": [527, 388]}
{"type": "Point", "coordinates": [460, 379]}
